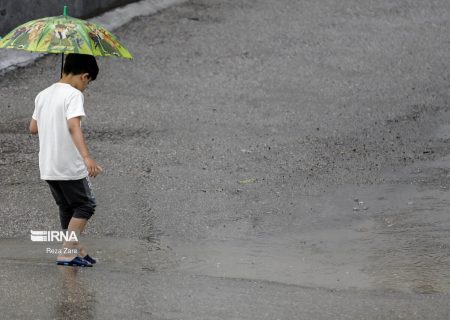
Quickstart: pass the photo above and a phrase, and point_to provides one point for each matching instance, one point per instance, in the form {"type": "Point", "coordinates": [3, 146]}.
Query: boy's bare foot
{"type": "Point", "coordinates": [82, 252]}
{"type": "Point", "coordinates": [65, 258]}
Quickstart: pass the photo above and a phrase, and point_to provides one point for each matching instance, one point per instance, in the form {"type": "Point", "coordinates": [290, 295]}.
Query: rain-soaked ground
{"type": "Point", "coordinates": [363, 244]}
{"type": "Point", "coordinates": [388, 236]}
{"type": "Point", "coordinates": [263, 160]}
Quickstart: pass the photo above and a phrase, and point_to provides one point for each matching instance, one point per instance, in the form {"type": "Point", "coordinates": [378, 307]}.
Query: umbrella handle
{"type": "Point", "coordinates": [62, 58]}
{"type": "Point", "coordinates": [62, 64]}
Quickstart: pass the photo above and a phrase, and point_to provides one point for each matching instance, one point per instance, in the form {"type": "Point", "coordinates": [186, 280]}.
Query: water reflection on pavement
{"type": "Point", "coordinates": [75, 298]}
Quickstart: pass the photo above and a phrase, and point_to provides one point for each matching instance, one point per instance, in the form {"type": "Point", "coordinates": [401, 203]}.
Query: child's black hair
{"type": "Point", "coordinates": [77, 63]}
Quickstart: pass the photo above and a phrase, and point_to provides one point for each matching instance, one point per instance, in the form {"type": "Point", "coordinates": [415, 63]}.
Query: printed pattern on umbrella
{"type": "Point", "coordinates": [64, 34]}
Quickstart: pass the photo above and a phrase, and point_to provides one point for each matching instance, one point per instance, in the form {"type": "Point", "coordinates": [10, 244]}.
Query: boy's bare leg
{"type": "Point", "coordinates": [77, 225]}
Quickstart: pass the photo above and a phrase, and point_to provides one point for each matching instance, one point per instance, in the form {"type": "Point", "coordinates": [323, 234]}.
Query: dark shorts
{"type": "Point", "coordinates": [74, 199]}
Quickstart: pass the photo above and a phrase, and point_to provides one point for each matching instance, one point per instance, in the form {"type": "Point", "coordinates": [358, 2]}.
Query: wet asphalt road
{"type": "Point", "coordinates": [264, 160]}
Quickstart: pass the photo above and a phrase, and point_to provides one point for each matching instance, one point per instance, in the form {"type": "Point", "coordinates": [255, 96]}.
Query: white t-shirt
{"type": "Point", "coordinates": [59, 159]}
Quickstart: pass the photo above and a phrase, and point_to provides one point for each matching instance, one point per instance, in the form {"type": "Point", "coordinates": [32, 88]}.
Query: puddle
{"type": "Point", "coordinates": [115, 288]}
{"type": "Point", "coordinates": [291, 259]}
{"type": "Point", "coordinates": [409, 240]}
{"type": "Point", "coordinates": [122, 253]}
{"type": "Point", "coordinates": [392, 237]}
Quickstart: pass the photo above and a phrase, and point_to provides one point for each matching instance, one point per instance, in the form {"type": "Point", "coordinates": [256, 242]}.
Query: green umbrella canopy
{"type": "Point", "coordinates": [64, 34]}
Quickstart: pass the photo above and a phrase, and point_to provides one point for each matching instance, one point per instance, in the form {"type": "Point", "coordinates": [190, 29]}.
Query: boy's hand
{"type": "Point", "coordinates": [33, 128]}
{"type": "Point", "coordinates": [93, 168]}
{"type": "Point", "coordinates": [78, 139]}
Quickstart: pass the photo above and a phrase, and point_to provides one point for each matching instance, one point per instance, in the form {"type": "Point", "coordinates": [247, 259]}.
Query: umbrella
{"type": "Point", "coordinates": [64, 34]}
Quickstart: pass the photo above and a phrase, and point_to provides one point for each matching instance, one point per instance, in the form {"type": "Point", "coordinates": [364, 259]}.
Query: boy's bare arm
{"type": "Point", "coordinates": [33, 127]}
{"type": "Point", "coordinates": [78, 139]}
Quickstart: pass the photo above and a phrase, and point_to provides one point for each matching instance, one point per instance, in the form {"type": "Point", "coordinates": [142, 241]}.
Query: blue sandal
{"type": "Point", "coordinates": [75, 262]}
{"type": "Point", "coordinates": [89, 259]}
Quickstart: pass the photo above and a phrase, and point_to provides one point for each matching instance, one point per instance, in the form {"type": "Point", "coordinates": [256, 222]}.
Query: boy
{"type": "Point", "coordinates": [64, 159]}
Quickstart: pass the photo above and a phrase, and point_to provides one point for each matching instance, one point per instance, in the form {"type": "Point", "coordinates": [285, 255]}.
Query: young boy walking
{"type": "Point", "coordinates": [64, 159]}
